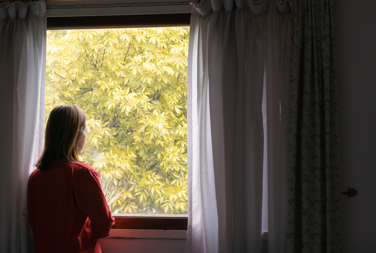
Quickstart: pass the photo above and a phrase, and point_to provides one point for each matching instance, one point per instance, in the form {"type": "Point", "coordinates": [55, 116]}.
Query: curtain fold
{"type": "Point", "coordinates": [313, 214]}
{"type": "Point", "coordinates": [236, 90]}
{"type": "Point", "coordinates": [22, 83]}
{"type": "Point", "coordinates": [276, 91]}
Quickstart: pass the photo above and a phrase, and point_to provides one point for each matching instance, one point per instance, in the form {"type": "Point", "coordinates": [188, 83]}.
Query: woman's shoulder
{"type": "Point", "coordinates": [84, 173]}
{"type": "Point", "coordinates": [84, 167]}
{"type": "Point", "coordinates": [33, 173]}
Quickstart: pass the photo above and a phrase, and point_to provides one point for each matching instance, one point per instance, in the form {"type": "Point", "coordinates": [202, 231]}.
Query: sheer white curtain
{"type": "Point", "coordinates": [22, 83]}
{"type": "Point", "coordinates": [237, 90]}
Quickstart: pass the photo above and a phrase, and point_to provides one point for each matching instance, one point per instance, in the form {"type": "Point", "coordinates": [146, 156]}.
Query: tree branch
{"type": "Point", "coordinates": [85, 91]}
{"type": "Point", "coordinates": [92, 63]}
{"type": "Point", "coordinates": [105, 185]}
{"type": "Point", "coordinates": [113, 121]}
{"type": "Point", "coordinates": [103, 57]}
{"type": "Point", "coordinates": [59, 75]}
{"type": "Point", "coordinates": [153, 165]}
{"type": "Point", "coordinates": [125, 57]}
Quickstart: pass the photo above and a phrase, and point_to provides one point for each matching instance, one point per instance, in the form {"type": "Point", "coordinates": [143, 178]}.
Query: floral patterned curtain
{"type": "Point", "coordinates": [313, 215]}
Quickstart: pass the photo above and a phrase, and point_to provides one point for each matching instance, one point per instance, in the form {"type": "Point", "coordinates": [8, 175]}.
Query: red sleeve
{"type": "Point", "coordinates": [90, 200]}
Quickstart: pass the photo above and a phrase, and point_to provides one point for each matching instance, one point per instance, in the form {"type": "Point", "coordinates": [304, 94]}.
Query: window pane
{"type": "Point", "coordinates": [132, 84]}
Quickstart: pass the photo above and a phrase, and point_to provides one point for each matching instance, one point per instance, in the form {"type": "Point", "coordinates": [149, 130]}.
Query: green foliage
{"type": "Point", "coordinates": [132, 84]}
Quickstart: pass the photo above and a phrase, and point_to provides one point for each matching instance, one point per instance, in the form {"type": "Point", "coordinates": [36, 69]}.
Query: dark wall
{"type": "Point", "coordinates": [356, 68]}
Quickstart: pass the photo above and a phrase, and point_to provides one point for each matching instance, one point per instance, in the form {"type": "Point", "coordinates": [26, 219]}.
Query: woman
{"type": "Point", "coordinates": [67, 209]}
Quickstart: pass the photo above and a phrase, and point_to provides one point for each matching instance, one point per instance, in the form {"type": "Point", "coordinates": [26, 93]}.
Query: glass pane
{"type": "Point", "coordinates": [132, 84]}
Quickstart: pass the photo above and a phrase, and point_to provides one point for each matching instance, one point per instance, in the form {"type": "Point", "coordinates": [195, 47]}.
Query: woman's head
{"type": "Point", "coordinates": [65, 135]}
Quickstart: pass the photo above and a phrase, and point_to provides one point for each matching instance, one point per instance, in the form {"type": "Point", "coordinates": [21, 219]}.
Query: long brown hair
{"type": "Point", "coordinates": [65, 126]}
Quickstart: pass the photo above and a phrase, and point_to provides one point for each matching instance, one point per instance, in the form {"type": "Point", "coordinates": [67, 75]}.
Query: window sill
{"type": "Point", "coordinates": [151, 222]}
{"type": "Point", "coordinates": [148, 234]}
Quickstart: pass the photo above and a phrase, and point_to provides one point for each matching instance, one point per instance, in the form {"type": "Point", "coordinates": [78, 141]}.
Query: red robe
{"type": "Point", "coordinates": [68, 212]}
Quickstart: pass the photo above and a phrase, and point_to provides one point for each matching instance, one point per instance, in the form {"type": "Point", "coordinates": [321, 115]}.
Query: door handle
{"type": "Point", "coordinates": [351, 192]}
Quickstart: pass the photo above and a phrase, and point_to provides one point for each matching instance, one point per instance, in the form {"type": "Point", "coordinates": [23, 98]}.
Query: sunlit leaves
{"type": "Point", "coordinates": [132, 84]}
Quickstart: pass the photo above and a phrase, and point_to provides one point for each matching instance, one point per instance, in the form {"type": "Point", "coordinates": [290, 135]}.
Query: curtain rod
{"type": "Point", "coordinates": [19, 0]}
{"type": "Point", "coordinates": [114, 5]}
{"type": "Point", "coordinates": [104, 4]}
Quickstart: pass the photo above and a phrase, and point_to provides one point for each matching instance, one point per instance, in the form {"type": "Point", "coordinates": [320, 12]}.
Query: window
{"type": "Point", "coordinates": [132, 83]}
